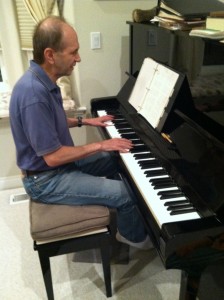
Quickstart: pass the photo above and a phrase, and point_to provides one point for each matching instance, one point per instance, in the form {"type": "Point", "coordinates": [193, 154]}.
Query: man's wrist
{"type": "Point", "coordinates": [80, 123]}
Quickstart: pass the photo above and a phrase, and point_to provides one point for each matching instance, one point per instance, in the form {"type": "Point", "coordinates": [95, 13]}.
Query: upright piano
{"type": "Point", "coordinates": [176, 172]}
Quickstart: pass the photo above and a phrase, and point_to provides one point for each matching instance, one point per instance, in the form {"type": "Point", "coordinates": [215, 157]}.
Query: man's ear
{"type": "Point", "coordinates": [49, 55]}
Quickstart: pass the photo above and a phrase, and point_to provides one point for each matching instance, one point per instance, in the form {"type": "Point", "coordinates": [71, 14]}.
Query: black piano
{"type": "Point", "coordinates": [177, 175]}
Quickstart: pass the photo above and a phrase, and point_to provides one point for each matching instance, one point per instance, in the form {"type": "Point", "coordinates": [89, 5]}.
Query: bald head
{"type": "Point", "coordinates": [49, 33]}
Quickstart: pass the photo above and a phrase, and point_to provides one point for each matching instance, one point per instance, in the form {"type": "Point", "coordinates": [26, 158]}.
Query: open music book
{"type": "Point", "coordinates": [152, 91]}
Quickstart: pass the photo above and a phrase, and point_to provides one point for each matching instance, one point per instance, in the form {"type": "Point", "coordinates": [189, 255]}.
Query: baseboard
{"type": "Point", "coordinates": [11, 182]}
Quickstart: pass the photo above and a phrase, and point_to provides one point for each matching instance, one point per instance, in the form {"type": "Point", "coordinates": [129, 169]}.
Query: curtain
{"type": "Point", "coordinates": [40, 9]}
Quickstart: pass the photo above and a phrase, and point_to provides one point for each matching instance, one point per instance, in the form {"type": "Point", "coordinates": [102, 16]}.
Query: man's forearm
{"type": "Point", "coordinates": [67, 154]}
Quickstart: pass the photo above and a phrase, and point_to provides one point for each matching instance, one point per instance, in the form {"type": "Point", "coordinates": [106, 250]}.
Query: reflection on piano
{"type": "Point", "coordinates": [178, 181]}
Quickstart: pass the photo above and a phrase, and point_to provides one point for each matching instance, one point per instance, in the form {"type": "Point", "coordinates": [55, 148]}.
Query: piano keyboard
{"type": "Point", "coordinates": [165, 200]}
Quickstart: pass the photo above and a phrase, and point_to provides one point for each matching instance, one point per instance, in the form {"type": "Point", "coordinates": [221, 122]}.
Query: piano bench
{"type": "Point", "coordinates": [63, 229]}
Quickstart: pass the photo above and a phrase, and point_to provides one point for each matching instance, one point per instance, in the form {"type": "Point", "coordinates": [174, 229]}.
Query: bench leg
{"type": "Point", "coordinates": [188, 291]}
{"type": "Point", "coordinates": [46, 271]}
{"type": "Point", "coordinates": [105, 256]}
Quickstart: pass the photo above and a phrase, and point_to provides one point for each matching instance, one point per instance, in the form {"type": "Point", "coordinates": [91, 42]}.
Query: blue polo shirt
{"type": "Point", "coordinates": [38, 121]}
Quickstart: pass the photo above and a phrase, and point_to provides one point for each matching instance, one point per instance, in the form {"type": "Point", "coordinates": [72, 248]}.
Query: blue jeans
{"type": "Point", "coordinates": [83, 183]}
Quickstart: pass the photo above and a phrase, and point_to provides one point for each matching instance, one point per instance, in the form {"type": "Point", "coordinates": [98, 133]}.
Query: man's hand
{"type": "Point", "coordinates": [116, 144]}
{"type": "Point", "coordinates": [100, 121]}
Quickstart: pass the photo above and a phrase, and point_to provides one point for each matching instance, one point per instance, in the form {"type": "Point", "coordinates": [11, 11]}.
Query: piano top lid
{"type": "Point", "coordinates": [204, 125]}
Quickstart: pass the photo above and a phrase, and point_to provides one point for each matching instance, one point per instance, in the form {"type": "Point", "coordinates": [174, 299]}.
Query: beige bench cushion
{"type": "Point", "coordinates": [53, 221]}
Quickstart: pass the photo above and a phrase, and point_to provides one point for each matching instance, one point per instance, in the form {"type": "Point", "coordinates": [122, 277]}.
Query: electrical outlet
{"type": "Point", "coordinates": [95, 40]}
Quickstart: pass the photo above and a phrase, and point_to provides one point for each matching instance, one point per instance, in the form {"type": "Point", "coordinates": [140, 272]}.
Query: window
{"type": "Point", "coordinates": [3, 77]}
{"type": "Point", "coordinates": [26, 25]}
{"type": "Point", "coordinates": [25, 29]}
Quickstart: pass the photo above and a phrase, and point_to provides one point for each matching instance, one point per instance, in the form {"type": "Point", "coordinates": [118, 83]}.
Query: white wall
{"type": "Point", "coordinates": [9, 173]}
{"type": "Point", "coordinates": [100, 73]}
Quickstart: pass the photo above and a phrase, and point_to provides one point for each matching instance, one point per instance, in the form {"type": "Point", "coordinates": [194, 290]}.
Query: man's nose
{"type": "Point", "coordinates": [77, 58]}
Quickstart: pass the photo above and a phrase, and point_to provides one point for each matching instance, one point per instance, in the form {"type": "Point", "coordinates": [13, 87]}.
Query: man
{"type": "Point", "coordinates": [54, 170]}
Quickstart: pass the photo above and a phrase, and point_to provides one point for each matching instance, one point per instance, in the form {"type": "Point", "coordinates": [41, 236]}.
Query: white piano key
{"type": "Point", "coordinates": [101, 113]}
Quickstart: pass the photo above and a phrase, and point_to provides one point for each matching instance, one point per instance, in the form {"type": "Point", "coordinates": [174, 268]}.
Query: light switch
{"type": "Point", "coordinates": [95, 40]}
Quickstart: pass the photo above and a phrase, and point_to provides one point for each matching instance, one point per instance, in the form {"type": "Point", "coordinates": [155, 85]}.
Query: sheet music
{"type": "Point", "coordinates": [152, 91]}
{"type": "Point", "coordinates": [142, 84]}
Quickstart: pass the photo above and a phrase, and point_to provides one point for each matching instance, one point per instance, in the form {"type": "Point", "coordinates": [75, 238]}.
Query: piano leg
{"type": "Point", "coordinates": [188, 287]}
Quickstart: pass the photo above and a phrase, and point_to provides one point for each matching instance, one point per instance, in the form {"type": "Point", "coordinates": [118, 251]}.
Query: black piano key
{"type": "Point", "coordinates": [171, 192]}
{"type": "Point", "coordinates": [114, 112]}
{"type": "Point", "coordinates": [164, 181]}
{"type": "Point", "coordinates": [149, 163]}
{"type": "Point", "coordinates": [176, 202]}
{"type": "Point", "coordinates": [155, 181]}
{"type": "Point", "coordinates": [164, 185]}
{"type": "Point", "coordinates": [123, 126]}
{"type": "Point", "coordinates": [138, 148]}
{"type": "Point", "coordinates": [152, 165]}
{"type": "Point", "coordinates": [143, 155]}
{"type": "Point", "coordinates": [137, 142]}
{"type": "Point", "coordinates": [125, 130]}
{"type": "Point", "coordinates": [165, 197]}
{"type": "Point", "coordinates": [185, 211]}
{"type": "Point", "coordinates": [153, 173]}
{"type": "Point", "coordinates": [129, 136]}
{"type": "Point", "coordinates": [148, 167]}
{"type": "Point", "coordinates": [119, 121]}
{"type": "Point", "coordinates": [175, 207]}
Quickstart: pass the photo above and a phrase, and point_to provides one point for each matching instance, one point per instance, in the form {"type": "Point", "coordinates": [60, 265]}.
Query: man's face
{"type": "Point", "coordinates": [66, 59]}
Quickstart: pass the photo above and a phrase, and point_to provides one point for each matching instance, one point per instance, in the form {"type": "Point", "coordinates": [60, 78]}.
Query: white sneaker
{"type": "Point", "coordinates": [144, 245]}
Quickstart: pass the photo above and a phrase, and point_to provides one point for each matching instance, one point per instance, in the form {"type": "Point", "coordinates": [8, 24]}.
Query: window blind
{"type": "Point", "coordinates": [26, 25]}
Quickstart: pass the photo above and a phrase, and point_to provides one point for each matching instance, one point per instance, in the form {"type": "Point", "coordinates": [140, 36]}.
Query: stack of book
{"type": "Point", "coordinates": [178, 24]}
{"type": "Point", "coordinates": [214, 28]}
{"type": "Point", "coordinates": [215, 21]}
{"type": "Point", "coordinates": [182, 15]}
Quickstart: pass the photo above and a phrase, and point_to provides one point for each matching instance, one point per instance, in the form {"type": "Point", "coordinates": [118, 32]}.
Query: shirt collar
{"type": "Point", "coordinates": [42, 76]}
